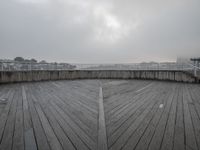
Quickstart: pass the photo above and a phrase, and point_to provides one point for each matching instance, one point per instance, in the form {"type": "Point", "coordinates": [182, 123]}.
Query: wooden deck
{"type": "Point", "coordinates": [100, 114]}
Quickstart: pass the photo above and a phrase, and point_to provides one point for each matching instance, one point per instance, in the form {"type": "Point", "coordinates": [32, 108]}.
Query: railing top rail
{"type": "Point", "coordinates": [194, 66]}
{"type": "Point", "coordinates": [127, 66]}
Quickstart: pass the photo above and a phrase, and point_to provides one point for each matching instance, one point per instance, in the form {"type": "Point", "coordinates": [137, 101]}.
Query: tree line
{"type": "Point", "coordinates": [32, 60]}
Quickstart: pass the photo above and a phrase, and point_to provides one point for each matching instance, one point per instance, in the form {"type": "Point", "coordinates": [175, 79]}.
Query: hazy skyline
{"type": "Point", "coordinates": [106, 31]}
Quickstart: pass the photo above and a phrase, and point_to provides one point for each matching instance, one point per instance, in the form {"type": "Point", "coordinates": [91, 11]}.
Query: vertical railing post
{"type": "Point", "coordinates": [182, 66]}
{"type": "Point", "coordinates": [195, 69]}
{"type": "Point", "coordinates": [1, 66]}
{"type": "Point", "coordinates": [30, 66]}
{"type": "Point", "coordinates": [9, 67]}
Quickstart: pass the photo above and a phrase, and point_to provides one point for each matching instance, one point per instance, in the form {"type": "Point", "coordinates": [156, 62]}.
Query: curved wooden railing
{"type": "Point", "coordinates": [44, 75]}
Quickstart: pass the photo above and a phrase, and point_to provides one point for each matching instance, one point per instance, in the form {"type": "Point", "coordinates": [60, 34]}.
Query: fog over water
{"type": "Point", "coordinates": [94, 31]}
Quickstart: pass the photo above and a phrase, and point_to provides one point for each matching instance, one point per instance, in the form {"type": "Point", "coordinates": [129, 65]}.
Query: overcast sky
{"type": "Point", "coordinates": [100, 31]}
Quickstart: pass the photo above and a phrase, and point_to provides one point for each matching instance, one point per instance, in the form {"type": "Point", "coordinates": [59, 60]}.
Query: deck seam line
{"type": "Point", "coordinates": [102, 136]}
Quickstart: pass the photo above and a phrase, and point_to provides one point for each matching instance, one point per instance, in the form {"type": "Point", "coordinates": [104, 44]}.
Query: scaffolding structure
{"type": "Point", "coordinates": [196, 64]}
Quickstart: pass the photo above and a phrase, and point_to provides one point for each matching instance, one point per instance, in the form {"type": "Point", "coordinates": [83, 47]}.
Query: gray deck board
{"type": "Point", "coordinates": [67, 115]}
{"type": "Point", "coordinates": [156, 140]}
{"type": "Point", "coordinates": [7, 139]}
{"type": "Point", "coordinates": [190, 140]}
{"type": "Point", "coordinates": [146, 138]}
{"type": "Point", "coordinates": [179, 123]}
{"type": "Point", "coordinates": [29, 139]}
{"type": "Point", "coordinates": [18, 138]}
{"type": "Point", "coordinates": [102, 136]}
{"type": "Point", "coordinates": [41, 139]}
{"type": "Point", "coordinates": [167, 141]}
{"type": "Point", "coordinates": [85, 121]}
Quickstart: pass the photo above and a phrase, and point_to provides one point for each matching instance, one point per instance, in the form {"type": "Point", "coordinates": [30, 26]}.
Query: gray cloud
{"type": "Point", "coordinates": [107, 31]}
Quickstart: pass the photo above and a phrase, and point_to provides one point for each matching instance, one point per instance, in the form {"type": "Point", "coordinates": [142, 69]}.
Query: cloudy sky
{"type": "Point", "coordinates": [100, 31]}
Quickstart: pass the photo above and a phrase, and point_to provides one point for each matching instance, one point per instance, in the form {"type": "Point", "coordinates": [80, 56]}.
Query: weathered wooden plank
{"type": "Point", "coordinates": [127, 134]}
{"type": "Point", "coordinates": [83, 135]}
{"type": "Point", "coordinates": [194, 116]}
{"type": "Point", "coordinates": [79, 118]}
{"type": "Point", "coordinates": [64, 115]}
{"type": "Point", "coordinates": [179, 125]}
{"type": "Point", "coordinates": [3, 98]}
{"type": "Point", "coordinates": [18, 139]}
{"type": "Point", "coordinates": [115, 101]}
{"type": "Point", "coordinates": [5, 111]}
{"type": "Point", "coordinates": [190, 139]}
{"type": "Point", "coordinates": [7, 139]}
{"type": "Point", "coordinates": [102, 137]}
{"type": "Point", "coordinates": [156, 140]}
{"type": "Point", "coordinates": [51, 137]}
{"type": "Point", "coordinates": [74, 99]}
{"type": "Point", "coordinates": [60, 103]}
{"type": "Point", "coordinates": [119, 129]}
{"type": "Point", "coordinates": [29, 139]}
{"type": "Point", "coordinates": [123, 108]}
{"type": "Point", "coordinates": [39, 133]}
{"type": "Point", "coordinates": [150, 131]}
{"type": "Point", "coordinates": [195, 99]}
{"type": "Point", "coordinates": [30, 142]}
{"type": "Point", "coordinates": [123, 138]}
{"type": "Point", "coordinates": [167, 142]}
{"type": "Point", "coordinates": [126, 105]}
{"type": "Point", "coordinates": [135, 137]}
{"type": "Point", "coordinates": [113, 92]}
{"type": "Point", "coordinates": [73, 91]}
{"type": "Point", "coordinates": [127, 118]}
{"type": "Point", "coordinates": [63, 139]}
{"type": "Point", "coordinates": [73, 136]}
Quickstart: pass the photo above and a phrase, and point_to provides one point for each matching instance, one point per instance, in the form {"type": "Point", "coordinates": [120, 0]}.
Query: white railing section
{"type": "Point", "coordinates": [196, 70]}
{"type": "Point", "coordinates": [24, 66]}
{"type": "Point", "coordinates": [28, 66]}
